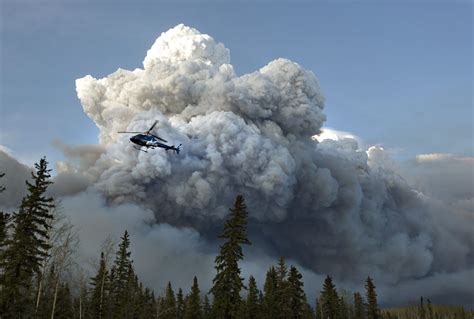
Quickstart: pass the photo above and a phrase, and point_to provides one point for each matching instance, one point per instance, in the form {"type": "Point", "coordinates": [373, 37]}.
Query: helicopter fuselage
{"type": "Point", "coordinates": [150, 141]}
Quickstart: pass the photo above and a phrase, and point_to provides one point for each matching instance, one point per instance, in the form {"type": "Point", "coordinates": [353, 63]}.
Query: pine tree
{"type": "Point", "coordinates": [168, 304]}
{"type": "Point", "coordinates": [269, 304]}
{"type": "Point", "coordinates": [296, 296]}
{"type": "Point", "coordinates": [359, 311]}
{"type": "Point", "coordinates": [100, 290]}
{"type": "Point", "coordinates": [193, 305]}
{"type": "Point", "coordinates": [227, 282]}
{"type": "Point", "coordinates": [180, 304]}
{"type": "Point", "coordinates": [329, 299]}
{"type": "Point", "coordinates": [28, 245]}
{"type": "Point", "coordinates": [253, 303]}
{"type": "Point", "coordinates": [206, 308]}
{"type": "Point", "coordinates": [372, 307]}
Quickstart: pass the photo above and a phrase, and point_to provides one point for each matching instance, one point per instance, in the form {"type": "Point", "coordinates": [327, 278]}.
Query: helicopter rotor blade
{"type": "Point", "coordinates": [152, 127]}
{"type": "Point", "coordinates": [128, 132]}
{"type": "Point", "coordinates": [161, 139]}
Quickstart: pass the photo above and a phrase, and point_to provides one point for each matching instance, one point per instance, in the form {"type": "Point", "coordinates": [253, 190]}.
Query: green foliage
{"type": "Point", "coordinates": [253, 307]}
{"type": "Point", "coordinates": [28, 245]}
{"type": "Point", "coordinates": [329, 300]}
{"type": "Point", "coordinates": [373, 311]}
{"type": "Point", "coordinates": [359, 306]}
{"type": "Point", "coordinates": [227, 283]}
{"type": "Point", "coordinates": [193, 304]}
{"type": "Point", "coordinates": [206, 308]}
{"type": "Point", "coordinates": [180, 306]}
{"type": "Point", "coordinates": [270, 288]}
{"type": "Point", "coordinates": [296, 296]}
{"type": "Point", "coordinates": [168, 304]}
{"type": "Point", "coordinates": [100, 290]}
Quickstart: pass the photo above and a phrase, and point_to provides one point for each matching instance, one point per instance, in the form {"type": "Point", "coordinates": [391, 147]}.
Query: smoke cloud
{"type": "Point", "coordinates": [325, 204]}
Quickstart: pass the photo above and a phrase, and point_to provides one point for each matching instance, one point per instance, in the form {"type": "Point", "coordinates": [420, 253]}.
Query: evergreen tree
{"type": "Point", "coordinates": [296, 296]}
{"type": "Point", "coordinates": [28, 245]}
{"type": "Point", "coordinates": [123, 273]}
{"type": "Point", "coordinates": [372, 307]}
{"type": "Point", "coordinates": [329, 300]}
{"type": "Point", "coordinates": [227, 282]}
{"type": "Point", "coordinates": [168, 304]}
{"type": "Point", "coordinates": [193, 305]}
{"type": "Point", "coordinates": [359, 311]}
{"type": "Point", "coordinates": [253, 302]}
{"type": "Point", "coordinates": [100, 290]}
{"type": "Point", "coordinates": [269, 303]}
{"type": "Point", "coordinates": [318, 310]}
{"type": "Point", "coordinates": [64, 308]}
{"type": "Point", "coordinates": [206, 308]}
{"type": "Point", "coordinates": [4, 217]}
{"type": "Point", "coordinates": [180, 304]}
{"type": "Point", "coordinates": [282, 294]}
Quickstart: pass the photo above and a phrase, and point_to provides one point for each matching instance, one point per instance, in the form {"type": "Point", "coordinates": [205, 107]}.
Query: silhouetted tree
{"type": "Point", "coordinates": [372, 307]}
{"type": "Point", "coordinates": [28, 246]}
{"type": "Point", "coordinates": [227, 283]}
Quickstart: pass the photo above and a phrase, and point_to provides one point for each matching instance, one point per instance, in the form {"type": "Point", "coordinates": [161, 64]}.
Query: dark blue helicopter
{"type": "Point", "coordinates": [149, 140]}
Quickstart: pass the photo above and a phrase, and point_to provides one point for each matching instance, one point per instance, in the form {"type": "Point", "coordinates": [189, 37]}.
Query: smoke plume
{"type": "Point", "coordinates": [326, 205]}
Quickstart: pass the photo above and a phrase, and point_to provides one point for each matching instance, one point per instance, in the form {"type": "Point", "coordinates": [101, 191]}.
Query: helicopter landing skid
{"type": "Point", "coordinates": [140, 149]}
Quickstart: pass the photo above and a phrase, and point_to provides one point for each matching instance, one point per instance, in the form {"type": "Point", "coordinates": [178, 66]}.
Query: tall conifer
{"type": "Point", "coordinates": [329, 300]}
{"type": "Point", "coordinates": [28, 245]}
{"type": "Point", "coordinates": [168, 304]}
{"type": "Point", "coordinates": [359, 308]}
{"type": "Point", "coordinates": [227, 283]}
{"type": "Point", "coordinates": [193, 304]}
{"type": "Point", "coordinates": [269, 303]}
{"type": "Point", "coordinates": [297, 302]}
{"type": "Point", "coordinates": [372, 307]}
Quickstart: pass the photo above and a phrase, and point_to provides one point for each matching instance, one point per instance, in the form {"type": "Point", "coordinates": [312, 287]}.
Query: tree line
{"type": "Point", "coordinates": [40, 279]}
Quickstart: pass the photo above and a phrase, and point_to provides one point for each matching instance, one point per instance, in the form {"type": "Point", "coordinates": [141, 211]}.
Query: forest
{"type": "Point", "coordinates": [39, 277]}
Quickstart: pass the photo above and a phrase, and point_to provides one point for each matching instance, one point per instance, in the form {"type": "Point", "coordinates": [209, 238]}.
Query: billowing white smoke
{"type": "Point", "coordinates": [329, 206]}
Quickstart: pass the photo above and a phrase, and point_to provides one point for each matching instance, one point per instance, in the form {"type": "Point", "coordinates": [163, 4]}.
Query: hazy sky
{"type": "Point", "coordinates": [397, 74]}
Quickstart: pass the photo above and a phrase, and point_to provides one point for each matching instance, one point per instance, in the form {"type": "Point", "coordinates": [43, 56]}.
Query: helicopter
{"type": "Point", "coordinates": [149, 140]}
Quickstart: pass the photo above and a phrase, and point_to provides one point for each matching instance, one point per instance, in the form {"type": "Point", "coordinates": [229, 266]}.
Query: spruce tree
{"type": "Point", "coordinates": [298, 304]}
{"type": "Point", "coordinates": [421, 310]}
{"type": "Point", "coordinates": [372, 307]}
{"type": "Point", "coordinates": [168, 304]}
{"type": "Point", "coordinates": [120, 285]}
{"type": "Point", "coordinates": [227, 283]}
{"type": "Point", "coordinates": [100, 290]}
{"type": "Point", "coordinates": [193, 305]}
{"type": "Point", "coordinates": [28, 246]}
{"type": "Point", "coordinates": [4, 217]}
{"type": "Point", "coordinates": [359, 308]}
{"type": "Point", "coordinates": [269, 303]}
{"type": "Point", "coordinates": [318, 310]}
{"type": "Point", "coordinates": [282, 293]}
{"type": "Point", "coordinates": [206, 308]}
{"type": "Point", "coordinates": [253, 310]}
{"type": "Point", "coordinates": [329, 300]}
{"type": "Point", "coordinates": [180, 304]}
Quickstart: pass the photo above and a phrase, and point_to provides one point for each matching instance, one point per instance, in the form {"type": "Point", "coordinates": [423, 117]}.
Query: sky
{"type": "Point", "coordinates": [394, 201]}
{"type": "Point", "coordinates": [395, 74]}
